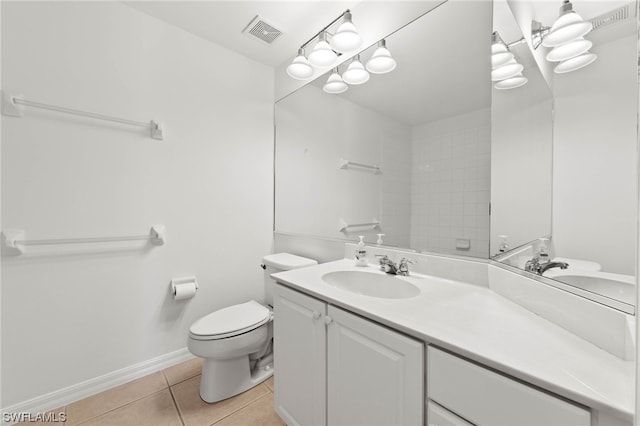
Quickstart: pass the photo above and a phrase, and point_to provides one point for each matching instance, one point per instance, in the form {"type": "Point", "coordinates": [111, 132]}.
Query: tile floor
{"type": "Point", "coordinates": [171, 397]}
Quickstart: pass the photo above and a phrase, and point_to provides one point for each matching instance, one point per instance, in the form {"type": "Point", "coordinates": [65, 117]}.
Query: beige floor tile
{"type": "Point", "coordinates": [155, 410]}
{"type": "Point", "coordinates": [108, 400]}
{"type": "Point", "coordinates": [269, 383]}
{"type": "Point", "coordinates": [196, 412]}
{"type": "Point", "coordinates": [183, 371]}
{"type": "Point", "coordinates": [258, 413]}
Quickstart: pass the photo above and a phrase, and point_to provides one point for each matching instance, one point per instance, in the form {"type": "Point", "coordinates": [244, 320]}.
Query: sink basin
{"type": "Point", "coordinates": [371, 284]}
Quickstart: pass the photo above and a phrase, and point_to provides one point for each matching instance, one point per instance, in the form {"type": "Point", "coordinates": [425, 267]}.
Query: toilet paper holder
{"type": "Point", "coordinates": [181, 282]}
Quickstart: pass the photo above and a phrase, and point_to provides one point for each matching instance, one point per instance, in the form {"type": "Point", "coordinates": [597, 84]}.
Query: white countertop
{"type": "Point", "coordinates": [483, 326]}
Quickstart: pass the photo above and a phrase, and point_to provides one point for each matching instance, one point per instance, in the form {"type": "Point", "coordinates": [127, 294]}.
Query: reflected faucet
{"type": "Point", "coordinates": [536, 267]}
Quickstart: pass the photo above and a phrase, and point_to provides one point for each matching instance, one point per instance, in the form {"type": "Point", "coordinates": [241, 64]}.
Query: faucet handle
{"type": "Point", "coordinates": [403, 266]}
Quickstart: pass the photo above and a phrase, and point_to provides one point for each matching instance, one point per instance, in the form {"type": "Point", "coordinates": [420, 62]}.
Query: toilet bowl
{"type": "Point", "coordinates": [236, 342]}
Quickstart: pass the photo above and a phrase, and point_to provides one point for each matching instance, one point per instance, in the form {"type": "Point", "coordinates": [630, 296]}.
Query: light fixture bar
{"type": "Point", "coordinates": [306, 43]}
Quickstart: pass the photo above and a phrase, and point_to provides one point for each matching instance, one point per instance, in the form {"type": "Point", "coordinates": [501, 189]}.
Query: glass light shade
{"type": "Point", "coordinates": [512, 83]}
{"type": "Point", "coordinates": [569, 50]}
{"type": "Point", "coordinates": [322, 55]}
{"type": "Point", "coordinates": [501, 58]}
{"type": "Point", "coordinates": [346, 37]}
{"type": "Point", "coordinates": [511, 69]}
{"type": "Point", "coordinates": [300, 68]}
{"type": "Point", "coordinates": [567, 27]}
{"type": "Point", "coordinates": [335, 84]}
{"type": "Point", "coordinates": [381, 61]}
{"type": "Point", "coordinates": [355, 73]}
{"type": "Point", "coordinates": [575, 63]}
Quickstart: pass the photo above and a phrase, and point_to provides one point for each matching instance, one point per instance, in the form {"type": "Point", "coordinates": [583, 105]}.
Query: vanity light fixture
{"type": "Point", "coordinates": [322, 55]}
{"type": "Point", "coordinates": [355, 72]}
{"type": "Point", "coordinates": [566, 37]}
{"type": "Point", "coordinates": [381, 62]}
{"type": "Point", "coordinates": [300, 68]}
{"type": "Point", "coordinates": [506, 71]}
{"type": "Point", "coordinates": [335, 84]}
{"type": "Point", "coordinates": [346, 37]}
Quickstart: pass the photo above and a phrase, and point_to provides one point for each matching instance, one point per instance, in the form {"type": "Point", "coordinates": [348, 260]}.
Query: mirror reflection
{"type": "Point", "coordinates": [425, 126]}
{"type": "Point", "coordinates": [593, 187]}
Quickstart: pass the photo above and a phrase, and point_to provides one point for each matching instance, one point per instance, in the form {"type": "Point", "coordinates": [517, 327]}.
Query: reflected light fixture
{"type": "Point", "coordinates": [355, 72]}
{"type": "Point", "coordinates": [346, 37]}
{"type": "Point", "coordinates": [300, 68]}
{"type": "Point", "coordinates": [500, 54]}
{"type": "Point", "coordinates": [335, 83]}
{"type": "Point", "coordinates": [512, 82]}
{"type": "Point", "coordinates": [322, 55]}
{"type": "Point", "coordinates": [381, 62]}
{"type": "Point", "coordinates": [508, 70]}
{"type": "Point", "coordinates": [575, 63]}
{"type": "Point", "coordinates": [566, 37]}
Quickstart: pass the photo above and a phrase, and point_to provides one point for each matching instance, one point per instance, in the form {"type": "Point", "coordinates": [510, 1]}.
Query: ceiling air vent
{"type": "Point", "coordinates": [260, 30]}
{"type": "Point", "coordinates": [616, 15]}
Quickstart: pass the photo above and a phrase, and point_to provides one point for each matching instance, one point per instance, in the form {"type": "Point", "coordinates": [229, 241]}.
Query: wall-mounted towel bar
{"type": "Point", "coordinates": [15, 241]}
{"type": "Point", "coordinates": [13, 106]}
{"type": "Point", "coordinates": [347, 227]}
{"type": "Point", "coordinates": [346, 163]}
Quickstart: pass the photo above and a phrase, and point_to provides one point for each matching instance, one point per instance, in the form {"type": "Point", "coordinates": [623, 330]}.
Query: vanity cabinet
{"type": "Point", "coordinates": [334, 367]}
{"type": "Point", "coordinates": [465, 390]}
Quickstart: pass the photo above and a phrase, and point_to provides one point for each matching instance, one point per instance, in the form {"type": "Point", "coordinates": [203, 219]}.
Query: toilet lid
{"type": "Point", "coordinates": [231, 320]}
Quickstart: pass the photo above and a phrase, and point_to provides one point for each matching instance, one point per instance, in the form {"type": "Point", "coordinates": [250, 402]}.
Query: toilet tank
{"type": "Point", "coordinates": [278, 262]}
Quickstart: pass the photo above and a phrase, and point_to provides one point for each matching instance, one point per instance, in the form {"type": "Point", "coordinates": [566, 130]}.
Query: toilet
{"type": "Point", "coordinates": [236, 341]}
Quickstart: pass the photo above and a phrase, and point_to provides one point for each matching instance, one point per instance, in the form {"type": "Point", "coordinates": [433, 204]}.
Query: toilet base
{"type": "Point", "coordinates": [222, 379]}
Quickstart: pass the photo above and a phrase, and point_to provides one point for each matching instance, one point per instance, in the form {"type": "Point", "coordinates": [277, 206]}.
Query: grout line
{"type": "Point", "coordinates": [119, 407]}
{"type": "Point", "coordinates": [175, 404]}
{"type": "Point", "coordinates": [244, 406]}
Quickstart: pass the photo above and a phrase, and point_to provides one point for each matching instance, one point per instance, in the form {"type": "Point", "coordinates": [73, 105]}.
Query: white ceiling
{"type": "Point", "coordinates": [222, 22]}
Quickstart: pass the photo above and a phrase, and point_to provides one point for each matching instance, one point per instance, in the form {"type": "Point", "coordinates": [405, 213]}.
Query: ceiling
{"type": "Point", "coordinates": [222, 22]}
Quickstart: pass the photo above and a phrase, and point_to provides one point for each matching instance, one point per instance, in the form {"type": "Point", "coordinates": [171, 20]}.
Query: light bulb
{"type": "Point", "coordinates": [300, 68]}
{"type": "Point", "coordinates": [322, 55]}
{"type": "Point", "coordinates": [355, 73]}
{"type": "Point", "coordinates": [513, 82]}
{"type": "Point", "coordinates": [569, 26]}
{"type": "Point", "coordinates": [575, 63]}
{"type": "Point", "coordinates": [346, 37]}
{"type": "Point", "coordinates": [381, 61]}
{"type": "Point", "coordinates": [335, 84]}
{"type": "Point", "coordinates": [500, 58]}
{"type": "Point", "coordinates": [569, 50]}
{"type": "Point", "coordinates": [510, 69]}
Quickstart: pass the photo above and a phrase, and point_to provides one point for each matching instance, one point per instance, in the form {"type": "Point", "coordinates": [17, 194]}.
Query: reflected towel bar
{"type": "Point", "coordinates": [14, 239]}
{"type": "Point", "coordinates": [344, 227]}
{"type": "Point", "coordinates": [346, 163]}
{"type": "Point", "coordinates": [12, 106]}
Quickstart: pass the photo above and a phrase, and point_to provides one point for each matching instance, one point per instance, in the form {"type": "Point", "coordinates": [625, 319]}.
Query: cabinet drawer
{"type": "Point", "coordinates": [439, 416]}
{"type": "Point", "coordinates": [485, 397]}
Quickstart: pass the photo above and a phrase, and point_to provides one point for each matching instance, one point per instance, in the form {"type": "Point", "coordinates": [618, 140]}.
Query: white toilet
{"type": "Point", "coordinates": [236, 341]}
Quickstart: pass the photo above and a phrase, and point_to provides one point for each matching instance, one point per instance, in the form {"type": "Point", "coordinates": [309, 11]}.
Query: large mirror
{"type": "Point", "coordinates": [435, 158]}
{"type": "Point", "coordinates": [591, 181]}
{"type": "Point", "coordinates": [407, 154]}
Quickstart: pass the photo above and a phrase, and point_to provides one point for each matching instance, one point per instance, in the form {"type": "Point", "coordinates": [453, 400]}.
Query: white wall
{"type": "Point", "coordinates": [450, 184]}
{"type": "Point", "coordinates": [521, 162]}
{"type": "Point", "coordinates": [595, 159]}
{"type": "Point", "coordinates": [314, 130]}
{"type": "Point", "coordinates": [68, 318]}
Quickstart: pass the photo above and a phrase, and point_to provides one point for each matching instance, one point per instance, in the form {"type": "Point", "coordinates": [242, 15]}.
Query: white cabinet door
{"type": "Point", "coordinates": [375, 375]}
{"type": "Point", "coordinates": [300, 358]}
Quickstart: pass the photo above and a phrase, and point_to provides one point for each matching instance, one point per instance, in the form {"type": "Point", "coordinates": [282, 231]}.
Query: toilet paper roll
{"type": "Point", "coordinates": [184, 290]}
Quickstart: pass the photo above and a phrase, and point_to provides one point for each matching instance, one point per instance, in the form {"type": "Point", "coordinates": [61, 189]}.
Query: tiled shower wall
{"type": "Point", "coordinates": [450, 185]}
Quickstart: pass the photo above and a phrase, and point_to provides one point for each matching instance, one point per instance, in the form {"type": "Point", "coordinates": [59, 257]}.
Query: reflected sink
{"type": "Point", "coordinates": [371, 284]}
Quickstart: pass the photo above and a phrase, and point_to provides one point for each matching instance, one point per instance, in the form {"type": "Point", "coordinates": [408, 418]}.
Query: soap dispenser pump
{"type": "Point", "coordinates": [543, 250]}
{"type": "Point", "coordinates": [361, 252]}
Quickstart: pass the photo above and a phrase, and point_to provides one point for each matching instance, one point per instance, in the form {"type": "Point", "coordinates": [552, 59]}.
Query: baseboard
{"type": "Point", "coordinates": [65, 396]}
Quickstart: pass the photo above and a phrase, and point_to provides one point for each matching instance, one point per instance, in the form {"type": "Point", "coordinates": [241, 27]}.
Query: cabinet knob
{"type": "Point", "coordinates": [316, 315]}
{"type": "Point", "coordinates": [328, 320]}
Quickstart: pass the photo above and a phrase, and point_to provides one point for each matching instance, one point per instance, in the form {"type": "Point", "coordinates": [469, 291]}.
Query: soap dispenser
{"type": "Point", "coordinates": [543, 251]}
{"type": "Point", "coordinates": [361, 252]}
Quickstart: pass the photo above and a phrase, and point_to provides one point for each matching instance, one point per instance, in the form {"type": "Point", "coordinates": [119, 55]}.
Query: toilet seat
{"type": "Point", "coordinates": [230, 321]}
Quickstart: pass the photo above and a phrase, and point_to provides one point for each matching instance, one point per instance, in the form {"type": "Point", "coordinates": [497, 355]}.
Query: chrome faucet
{"type": "Point", "coordinates": [536, 267]}
{"type": "Point", "coordinates": [388, 266]}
